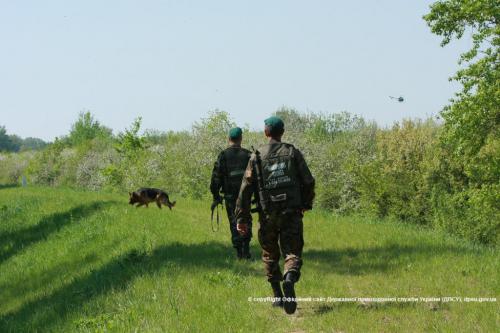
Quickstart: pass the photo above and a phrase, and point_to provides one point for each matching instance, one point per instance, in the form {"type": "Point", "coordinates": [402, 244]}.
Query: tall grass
{"type": "Point", "coordinates": [87, 261]}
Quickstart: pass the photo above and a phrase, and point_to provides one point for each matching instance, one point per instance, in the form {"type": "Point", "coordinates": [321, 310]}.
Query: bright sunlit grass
{"type": "Point", "coordinates": [87, 261]}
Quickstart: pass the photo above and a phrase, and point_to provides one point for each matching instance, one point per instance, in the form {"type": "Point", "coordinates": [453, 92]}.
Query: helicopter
{"type": "Point", "coordinates": [400, 99]}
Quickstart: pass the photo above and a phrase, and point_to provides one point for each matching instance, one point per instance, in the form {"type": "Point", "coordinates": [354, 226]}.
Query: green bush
{"type": "Point", "coordinates": [396, 182]}
{"type": "Point", "coordinates": [407, 172]}
{"type": "Point", "coordinates": [472, 214]}
{"type": "Point", "coordinates": [47, 167]}
{"type": "Point", "coordinates": [13, 166]}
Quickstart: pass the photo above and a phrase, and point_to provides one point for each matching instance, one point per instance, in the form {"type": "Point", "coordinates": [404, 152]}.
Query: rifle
{"type": "Point", "coordinates": [216, 207]}
{"type": "Point", "coordinates": [262, 196]}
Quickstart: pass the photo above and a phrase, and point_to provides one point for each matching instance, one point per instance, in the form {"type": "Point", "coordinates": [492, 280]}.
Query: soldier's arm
{"type": "Point", "coordinates": [307, 182]}
{"type": "Point", "coordinates": [217, 177]}
{"type": "Point", "coordinates": [244, 201]}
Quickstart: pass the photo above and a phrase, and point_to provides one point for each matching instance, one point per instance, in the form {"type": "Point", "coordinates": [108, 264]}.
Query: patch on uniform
{"type": "Point", "coordinates": [236, 173]}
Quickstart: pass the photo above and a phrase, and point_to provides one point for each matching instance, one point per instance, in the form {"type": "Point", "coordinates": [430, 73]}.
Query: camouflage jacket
{"type": "Point", "coordinates": [249, 185]}
{"type": "Point", "coordinates": [228, 171]}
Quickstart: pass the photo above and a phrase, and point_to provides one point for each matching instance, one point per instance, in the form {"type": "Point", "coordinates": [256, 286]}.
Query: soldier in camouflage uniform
{"type": "Point", "coordinates": [226, 177]}
{"type": "Point", "coordinates": [284, 187]}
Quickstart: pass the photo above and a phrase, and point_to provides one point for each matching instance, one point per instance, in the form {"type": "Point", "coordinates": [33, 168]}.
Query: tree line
{"type": "Point", "coordinates": [14, 143]}
{"type": "Point", "coordinates": [444, 174]}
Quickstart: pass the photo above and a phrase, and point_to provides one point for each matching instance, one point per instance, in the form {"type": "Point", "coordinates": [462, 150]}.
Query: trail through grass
{"type": "Point", "coordinates": [86, 261]}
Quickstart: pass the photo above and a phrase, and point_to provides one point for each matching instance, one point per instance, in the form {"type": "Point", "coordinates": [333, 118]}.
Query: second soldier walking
{"type": "Point", "coordinates": [226, 178]}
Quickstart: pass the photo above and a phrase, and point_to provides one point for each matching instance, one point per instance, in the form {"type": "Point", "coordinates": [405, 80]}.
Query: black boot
{"type": "Point", "coordinates": [289, 303]}
{"type": "Point", "coordinates": [246, 250]}
{"type": "Point", "coordinates": [278, 294]}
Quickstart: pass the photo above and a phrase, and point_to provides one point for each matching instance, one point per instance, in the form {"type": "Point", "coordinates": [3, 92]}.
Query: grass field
{"type": "Point", "coordinates": [86, 261]}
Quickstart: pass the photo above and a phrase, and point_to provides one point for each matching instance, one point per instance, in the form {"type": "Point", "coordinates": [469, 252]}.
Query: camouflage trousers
{"type": "Point", "coordinates": [281, 234]}
{"type": "Point", "coordinates": [236, 238]}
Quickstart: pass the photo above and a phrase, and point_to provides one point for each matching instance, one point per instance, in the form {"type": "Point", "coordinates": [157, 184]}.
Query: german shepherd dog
{"type": "Point", "coordinates": [144, 196]}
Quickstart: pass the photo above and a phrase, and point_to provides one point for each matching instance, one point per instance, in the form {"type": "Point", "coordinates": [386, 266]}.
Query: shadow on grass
{"type": "Point", "coordinates": [14, 241]}
{"type": "Point", "coordinates": [4, 186]}
{"type": "Point", "coordinates": [42, 314]}
{"type": "Point", "coordinates": [359, 261]}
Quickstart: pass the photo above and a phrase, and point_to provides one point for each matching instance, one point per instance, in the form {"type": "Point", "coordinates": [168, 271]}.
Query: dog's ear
{"type": "Point", "coordinates": [130, 194]}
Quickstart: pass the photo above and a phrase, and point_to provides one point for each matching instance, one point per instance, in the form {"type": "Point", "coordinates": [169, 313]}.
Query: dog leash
{"type": "Point", "coordinates": [218, 218]}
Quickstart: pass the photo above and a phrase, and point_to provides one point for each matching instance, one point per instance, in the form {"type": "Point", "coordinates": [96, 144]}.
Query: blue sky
{"type": "Point", "coordinates": [173, 61]}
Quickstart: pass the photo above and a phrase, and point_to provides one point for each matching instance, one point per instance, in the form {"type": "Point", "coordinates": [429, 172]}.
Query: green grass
{"type": "Point", "coordinates": [86, 261]}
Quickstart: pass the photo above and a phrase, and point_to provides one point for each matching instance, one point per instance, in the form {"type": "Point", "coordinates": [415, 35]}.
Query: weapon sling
{"type": "Point", "coordinates": [218, 217]}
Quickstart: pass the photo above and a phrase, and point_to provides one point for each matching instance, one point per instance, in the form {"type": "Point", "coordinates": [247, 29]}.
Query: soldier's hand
{"type": "Point", "coordinates": [242, 228]}
{"type": "Point", "coordinates": [304, 210]}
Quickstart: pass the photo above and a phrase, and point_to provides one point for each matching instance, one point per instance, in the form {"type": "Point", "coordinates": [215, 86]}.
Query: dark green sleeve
{"type": "Point", "coordinates": [216, 182]}
{"type": "Point", "coordinates": [244, 201]}
{"type": "Point", "coordinates": [307, 181]}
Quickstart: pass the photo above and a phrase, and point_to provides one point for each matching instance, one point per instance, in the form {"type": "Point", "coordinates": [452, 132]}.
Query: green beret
{"type": "Point", "coordinates": [235, 133]}
{"type": "Point", "coordinates": [275, 124]}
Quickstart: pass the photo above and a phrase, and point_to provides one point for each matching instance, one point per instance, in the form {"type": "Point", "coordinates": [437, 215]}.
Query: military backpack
{"type": "Point", "coordinates": [236, 160]}
{"type": "Point", "coordinates": [280, 181]}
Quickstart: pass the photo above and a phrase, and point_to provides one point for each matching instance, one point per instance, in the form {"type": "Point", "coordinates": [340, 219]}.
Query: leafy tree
{"type": "Point", "coordinates": [87, 128]}
{"type": "Point", "coordinates": [216, 125]}
{"type": "Point", "coordinates": [4, 139]}
{"type": "Point", "coordinates": [466, 188]}
{"type": "Point", "coordinates": [130, 146]}
{"type": "Point", "coordinates": [8, 142]}
{"type": "Point", "coordinates": [130, 141]}
{"type": "Point", "coordinates": [295, 122]}
{"type": "Point", "coordinates": [14, 143]}
{"type": "Point", "coordinates": [474, 114]}
{"type": "Point", "coordinates": [33, 144]}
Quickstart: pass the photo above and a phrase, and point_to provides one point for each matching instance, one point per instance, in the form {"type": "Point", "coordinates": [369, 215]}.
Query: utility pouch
{"type": "Point", "coordinates": [278, 198]}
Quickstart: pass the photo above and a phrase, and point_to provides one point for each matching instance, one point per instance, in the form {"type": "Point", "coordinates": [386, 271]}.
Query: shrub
{"type": "Point", "coordinates": [396, 182]}
{"type": "Point", "coordinates": [408, 172]}
{"type": "Point", "coordinates": [13, 166]}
